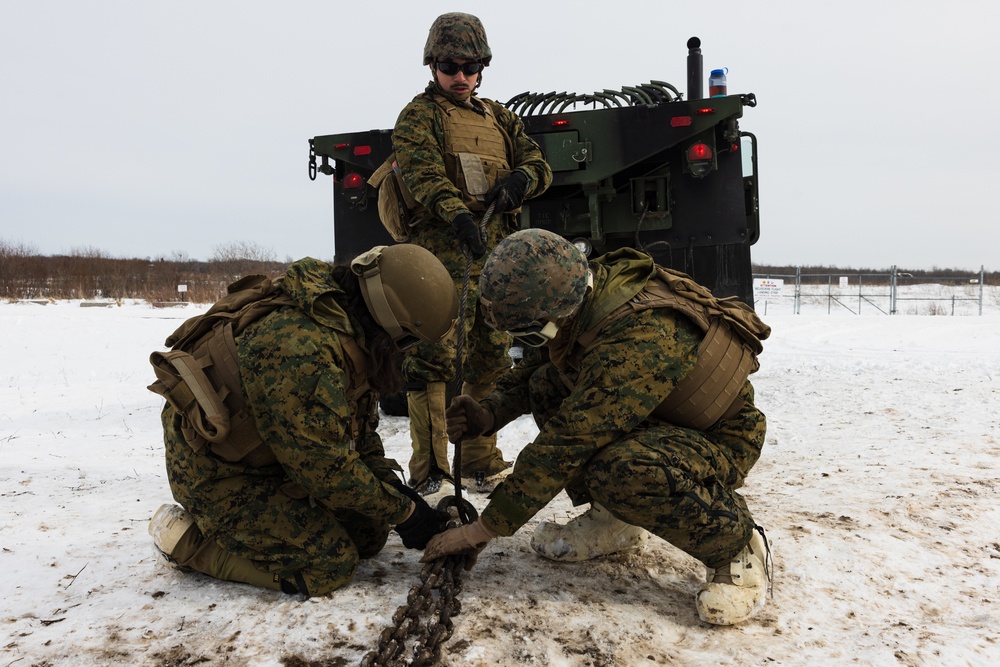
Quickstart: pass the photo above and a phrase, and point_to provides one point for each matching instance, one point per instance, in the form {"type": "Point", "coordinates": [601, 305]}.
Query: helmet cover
{"type": "Point", "coordinates": [457, 35]}
{"type": "Point", "coordinates": [532, 275]}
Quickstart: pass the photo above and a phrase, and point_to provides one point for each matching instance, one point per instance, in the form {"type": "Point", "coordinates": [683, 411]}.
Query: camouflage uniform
{"type": "Point", "coordinates": [418, 140]}
{"type": "Point", "coordinates": [309, 517]}
{"type": "Point", "coordinates": [598, 440]}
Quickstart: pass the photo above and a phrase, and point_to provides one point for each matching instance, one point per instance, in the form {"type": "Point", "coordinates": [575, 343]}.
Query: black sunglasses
{"type": "Point", "coordinates": [451, 69]}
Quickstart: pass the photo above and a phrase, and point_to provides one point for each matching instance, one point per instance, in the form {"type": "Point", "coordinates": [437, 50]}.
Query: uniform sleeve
{"type": "Point", "coordinates": [510, 399]}
{"type": "Point", "coordinates": [418, 141]}
{"type": "Point", "coordinates": [297, 391]}
{"type": "Point", "coordinates": [372, 453]}
{"type": "Point", "coordinates": [634, 365]}
{"type": "Point", "coordinates": [527, 154]}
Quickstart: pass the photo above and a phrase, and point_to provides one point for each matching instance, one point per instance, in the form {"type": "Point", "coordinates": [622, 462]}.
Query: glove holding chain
{"type": "Point", "coordinates": [508, 193]}
{"type": "Point", "coordinates": [423, 523]}
{"type": "Point", "coordinates": [468, 235]}
{"type": "Point", "coordinates": [469, 539]}
{"type": "Point", "coordinates": [466, 418]}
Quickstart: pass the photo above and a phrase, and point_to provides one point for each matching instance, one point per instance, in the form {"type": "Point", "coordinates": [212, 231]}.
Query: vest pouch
{"type": "Point", "coordinates": [182, 381]}
{"type": "Point", "coordinates": [709, 393]}
{"type": "Point", "coordinates": [396, 206]}
{"type": "Point", "coordinates": [472, 175]}
{"type": "Point", "coordinates": [476, 175]}
{"type": "Point", "coordinates": [205, 390]}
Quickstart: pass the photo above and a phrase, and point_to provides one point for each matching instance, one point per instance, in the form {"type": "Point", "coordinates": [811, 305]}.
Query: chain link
{"type": "Point", "coordinates": [443, 575]}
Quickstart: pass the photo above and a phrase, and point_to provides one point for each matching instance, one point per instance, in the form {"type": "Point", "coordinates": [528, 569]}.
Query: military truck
{"type": "Point", "coordinates": [640, 167]}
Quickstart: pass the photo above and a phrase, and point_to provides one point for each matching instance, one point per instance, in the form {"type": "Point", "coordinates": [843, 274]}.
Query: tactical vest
{"type": "Point", "coordinates": [200, 376]}
{"type": "Point", "coordinates": [727, 354]}
{"type": "Point", "coordinates": [476, 150]}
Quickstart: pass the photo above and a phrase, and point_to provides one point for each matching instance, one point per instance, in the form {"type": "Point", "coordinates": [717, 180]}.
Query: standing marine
{"type": "Point", "coordinates": [270, 421]}
{"type": "Point", "coordinates": [637, 378]}
{"type": "Point", "coordinates": [456, 155]}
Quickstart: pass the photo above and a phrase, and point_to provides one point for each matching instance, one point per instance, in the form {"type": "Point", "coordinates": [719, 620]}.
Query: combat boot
{"type": "Point", "coordinates": [486, 481]}
{"type": "Point", "coordinates": [435, 487]}
{"type": "Point", "coordinates": [180, 541]}
{"type": "Point", "coordinates": [594, 533]}
{"type": "Point", "coordinates": [167, 527]}
{"type": "Point", "coordinates": [736, 591]}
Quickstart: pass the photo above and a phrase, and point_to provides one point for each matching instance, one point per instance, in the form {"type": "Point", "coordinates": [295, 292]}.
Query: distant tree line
{"type": "Point", "coordinates": [91, 274]}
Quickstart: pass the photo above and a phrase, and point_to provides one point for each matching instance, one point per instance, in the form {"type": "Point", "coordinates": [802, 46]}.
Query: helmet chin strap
{"type": "Point", "coordinates": [379, 306]}
{"type": "Point", "coordinates": [367, 269]}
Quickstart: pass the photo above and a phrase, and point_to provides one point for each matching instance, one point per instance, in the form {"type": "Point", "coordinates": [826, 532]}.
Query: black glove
{"type": "Point", "coordinates": [406, 490]}
{"type": "Point", "coordinates": [468, 235]}
{"type": "Point", "coordinates": [508, 193]}
{"type": "Point", "coordinates": [466, 418]}
{"type": "Point", "coordinates": [423, 524]}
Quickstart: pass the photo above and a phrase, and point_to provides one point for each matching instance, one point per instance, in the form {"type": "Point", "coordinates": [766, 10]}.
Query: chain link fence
{"type": "Point", "coordinates": [893, 293]}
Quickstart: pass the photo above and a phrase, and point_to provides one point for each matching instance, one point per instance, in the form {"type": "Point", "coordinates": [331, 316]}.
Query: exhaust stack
{"type": "Point", "coordinates": [695, 88]}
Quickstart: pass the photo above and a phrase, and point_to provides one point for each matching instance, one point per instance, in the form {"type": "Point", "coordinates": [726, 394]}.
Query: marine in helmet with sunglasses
{"type": "Point", "coordinates": [457, 154]}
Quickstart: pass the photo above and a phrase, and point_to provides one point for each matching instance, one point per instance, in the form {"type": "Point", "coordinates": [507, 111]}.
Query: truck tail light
{"type": "Point", "coordinates": [354, 187]}
{"type": "Point", "coordinates": [699, 152]}
{"type": "Point", "coordinates": [699, 158]}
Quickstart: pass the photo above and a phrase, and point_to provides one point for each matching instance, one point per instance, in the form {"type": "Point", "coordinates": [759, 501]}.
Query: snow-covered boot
{"type": "Point", "coordinates": [594, 533]}
{"type": "Point", "coordinates": [167, 527]}
{"type": "Point", "coordinates": [736, 591]}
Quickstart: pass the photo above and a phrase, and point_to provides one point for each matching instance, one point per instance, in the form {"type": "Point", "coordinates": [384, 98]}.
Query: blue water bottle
{"type": "Point", "coordinates": [717, 82]}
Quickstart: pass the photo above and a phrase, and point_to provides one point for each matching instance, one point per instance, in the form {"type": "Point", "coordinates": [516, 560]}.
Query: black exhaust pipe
{"type": "Point", "coordinates": [696, 90]}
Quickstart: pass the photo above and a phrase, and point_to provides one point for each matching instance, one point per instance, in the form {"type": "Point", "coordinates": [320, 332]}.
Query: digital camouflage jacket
{"type": "Point", "coordinates": [631, 367]}
{"type": "Point", "coordinates": [292, 368]}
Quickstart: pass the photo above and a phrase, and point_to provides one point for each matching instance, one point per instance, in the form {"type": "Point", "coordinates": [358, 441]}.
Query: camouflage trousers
{"type": "Point", "coordinates": [486, 350]}
{"type": "Point", "coordinates": [677, 483]}
{"type": "Point", "coordinates": [305, 545]}
{"type": "Point", "coordinates": [255, 515]}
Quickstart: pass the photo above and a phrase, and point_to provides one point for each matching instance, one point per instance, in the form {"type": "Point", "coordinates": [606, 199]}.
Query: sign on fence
{"type": "Point", "coordinates": [764, 288]}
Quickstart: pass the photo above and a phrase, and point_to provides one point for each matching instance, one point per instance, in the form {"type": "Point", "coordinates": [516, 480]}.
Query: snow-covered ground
{"type": "Point", "coordinates": [879, 488]}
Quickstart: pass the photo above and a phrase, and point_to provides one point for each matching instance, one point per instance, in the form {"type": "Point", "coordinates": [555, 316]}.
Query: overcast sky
{"type": "Point", "coordinates": [146, 129]}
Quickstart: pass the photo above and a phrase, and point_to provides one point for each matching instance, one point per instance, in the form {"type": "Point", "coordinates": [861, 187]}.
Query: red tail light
{"type": "Point", "coordinates": [699, 160]}
{"type": "Point", "coordinates": [354, 181]}
{"type": "Point", "coordinates": [699, 153]}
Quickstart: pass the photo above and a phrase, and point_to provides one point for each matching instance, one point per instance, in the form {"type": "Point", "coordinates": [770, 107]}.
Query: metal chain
{"type": "Point", "coordinates": [443, 574]}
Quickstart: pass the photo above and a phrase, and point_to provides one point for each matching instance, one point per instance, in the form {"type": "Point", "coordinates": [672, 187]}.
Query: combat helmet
{"type": "Point", "coordinates": [532, 277]}
{"type": "Point", "coordinates": [408, 292]}
{"type": "Point", "coordinates": [457, 35]}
